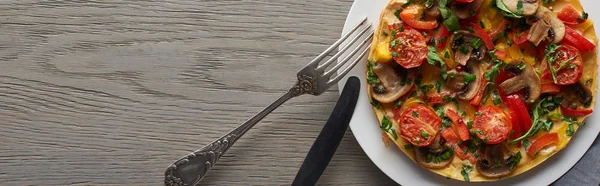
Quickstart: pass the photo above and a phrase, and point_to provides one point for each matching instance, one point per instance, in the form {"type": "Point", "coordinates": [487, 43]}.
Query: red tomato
{"type": "Point", "coordinates": [412, 50]}
{"type": "Point", "coordinates": [411, 16]}
{"type": "Point", "coordinates": [550, 87]}
{"type": "Point", "coordinates": [419, 125]}
{"type": "Point", "coordinates": [568, 75]}
{"type": "Point", "coordinates": [574, 38]}
{"type": "Point", "coordinates": [540, 143]}
{"type": "Point", "coordinates": [569, 15]}
{"type": "Point", "coordinates": [492, 125]}
{"type": "Point", "coordinates": [463, 1]}
{"type": "Point", "coordinates": [458, 125]}
{"type": "Point", "coordinates": [485, 37]}
{"type": "Point", "coordinates": [569, 112]}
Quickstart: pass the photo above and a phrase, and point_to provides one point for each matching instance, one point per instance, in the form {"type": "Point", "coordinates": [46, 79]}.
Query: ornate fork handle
{"type": "Point", "coordinates": [190, 169]}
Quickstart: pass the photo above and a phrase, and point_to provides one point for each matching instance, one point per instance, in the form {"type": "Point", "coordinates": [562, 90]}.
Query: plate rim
{"type": "Point", "coordinates": [545, 173]}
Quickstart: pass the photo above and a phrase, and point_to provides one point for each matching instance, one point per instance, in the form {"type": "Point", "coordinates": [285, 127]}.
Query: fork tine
{"type": "Point", "coordinates": [340, 52]}
{"type": "Point", "coordinates": [337, 43]}
{"type": "Point", "coordinates": [347, 58]}
{"type": "Point", "coordinates": [347, 69]}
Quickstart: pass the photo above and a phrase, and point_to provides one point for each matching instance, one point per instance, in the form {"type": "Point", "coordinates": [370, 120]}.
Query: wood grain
{"type": "Point", "coordinates": [111, 92]}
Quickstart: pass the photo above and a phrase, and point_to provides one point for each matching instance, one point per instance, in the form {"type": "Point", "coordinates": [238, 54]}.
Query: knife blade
{"type": "Point", "coordinates": [331, 135]}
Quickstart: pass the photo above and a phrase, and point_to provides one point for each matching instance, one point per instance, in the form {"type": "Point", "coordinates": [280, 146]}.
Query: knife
{"type": "Point", "coordinates": [322, 150]}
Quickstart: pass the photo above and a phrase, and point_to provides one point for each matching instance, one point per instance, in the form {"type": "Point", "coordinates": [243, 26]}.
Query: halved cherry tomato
{"type": "Point", "coordinates": [492, 125]}
{"type": "Point", "coordinates": [569, 15]}
{"type": "Point", "coordinates": [541, 142]}
{"type": "Point", "coordinates": [515, 103]}
{"type": "Point", "coordinates": [571, 62]}
{"type": "Point", "coordinates": [463, 1]}
{"type": "Point", "coordinates": [499, 29]}
{"type": "Point", "coordinates": [569, 112]}
{"type": "Point", "coordinates": [485, 37]}
{"type": "Point", "coordinates": [444, 33]}
{"type": "Point", "coordinates": [574, 38]}
{"type": "Point", "coordinates": [419, 125]}
{"type": "Point", "coordinates": [410, 15]}
{"type": "Point", "coordinates": [412, 50]}
{"type": "Point", "coordinates": [550, 87]}
{"type": "Point", "coordinates": [458, 125]}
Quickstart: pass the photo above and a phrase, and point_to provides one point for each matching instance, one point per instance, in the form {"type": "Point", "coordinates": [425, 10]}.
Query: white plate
{"type": "Point", "coordinates": [404, 171]}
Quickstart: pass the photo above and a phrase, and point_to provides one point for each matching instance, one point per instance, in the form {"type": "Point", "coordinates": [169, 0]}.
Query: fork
{"type": "Point", "coordinates": [315, 78]}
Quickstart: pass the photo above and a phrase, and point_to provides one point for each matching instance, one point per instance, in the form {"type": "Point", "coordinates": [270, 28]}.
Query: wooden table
{"type": "Point", "coordinates": [109, 92]}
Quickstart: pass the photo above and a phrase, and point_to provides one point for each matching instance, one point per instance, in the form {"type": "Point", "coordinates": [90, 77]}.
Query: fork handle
{"type": "Point", "coordinates": [190, 169]}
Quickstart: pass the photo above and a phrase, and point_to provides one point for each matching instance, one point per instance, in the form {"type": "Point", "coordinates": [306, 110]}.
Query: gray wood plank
{"type": "Point", "coordinates": [111, 92]}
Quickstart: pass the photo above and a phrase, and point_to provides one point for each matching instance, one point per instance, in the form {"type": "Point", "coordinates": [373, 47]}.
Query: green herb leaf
{"type": "Point", "coordinates": [434, 59]}
{"type": "Point", "coordinates": [376, 104]}
{"type": "Point", "coordinates": [465, 172]}
{"type": "Point", "coordinates": [463, 49]}
{"type": "Point", "coordinates": [470, 78]}
{"type": "Point", "coordinates": [570, 130]}
{"type": "Point", "coordinates": [505, 11]}
{"type": "Point", "coordinates": [450, 19]}
{"type": "Point", "coordinates": [514, 160]}
{"type": "Point", "coordinates": [397, 13]}
{"type": "Point", "coordinates": [394, 54]}
{"type": "Point", "coordinates": [394, 134]}
{"type": "Point", "coordinates": [519, 8]}
{"type": "Point", "coordinates": [371, 76]}
{"type": "Point", "coordinates": [476, 43]}
{"type": "Point", "coordinates": [398, 103]}
{"type": "Point", "coordinates": [408, 146]}
{"type": "Point", "coordinates": [415, 114]}
{"type": "Point", "coordinates": [386, 124]}
{"type": "Point", "coordinates": [424, 134]}
{"type": "Point", "coordinates": [547, 124]}
{"type": "Point", "coordinates": [583, 17]}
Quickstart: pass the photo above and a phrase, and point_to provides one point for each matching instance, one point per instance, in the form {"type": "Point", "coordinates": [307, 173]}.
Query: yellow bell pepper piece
{"type": "Point", "coordinates": [382, 53]}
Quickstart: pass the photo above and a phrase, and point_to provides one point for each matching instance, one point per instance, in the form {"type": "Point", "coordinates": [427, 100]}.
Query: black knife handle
{"type": "Point", "coordinates": [330, 137]}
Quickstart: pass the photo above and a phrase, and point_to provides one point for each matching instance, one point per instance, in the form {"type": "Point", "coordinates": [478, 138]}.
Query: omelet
{"type": "Point", "coordinates": [482, 90]}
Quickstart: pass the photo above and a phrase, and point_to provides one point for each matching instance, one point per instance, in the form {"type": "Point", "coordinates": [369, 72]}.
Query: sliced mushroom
{"type": "Point", "coordinates": [529, 6]}
{"type": "Point", "coordinates": [456, 81]}
{"type": "Point", "coordinates": [394, 84]}
{"type": "Point", "coordinates": [547, 26]}
{"type": "Point", "coordinates": [436, 149]}
{"type": "Point", "coordinates": [465, 10]}
{"type": "Point", "coordinates": [525, 78]}
{"type": "Point", "coordinates": [538, 32]}
{"type": "Point", "coordinates": [492, 163]}
{"type": "Point", "coordinates": [463, 39]}
{"type": "Point", "coordinates": [470, 91]}
{"type": "Point", "coordinates": [575, 95]}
